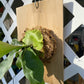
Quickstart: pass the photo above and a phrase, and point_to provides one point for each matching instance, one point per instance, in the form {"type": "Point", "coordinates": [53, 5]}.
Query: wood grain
{"type": "Point", "coordinates": [49, 15]}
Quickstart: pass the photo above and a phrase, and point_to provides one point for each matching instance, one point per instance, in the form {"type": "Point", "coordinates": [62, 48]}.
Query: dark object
{"type": "Point", "coordinates": [36, 0]}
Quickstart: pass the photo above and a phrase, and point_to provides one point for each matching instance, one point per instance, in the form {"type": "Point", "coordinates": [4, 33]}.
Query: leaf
{"type": "Point", "coordinates": [39, 53]}
{"type": "Point", "coordinates": [16, 42]}
{"type": "Point", "coordinates": [18, 62]}
{"type": "Point", "coordinates": [28, 73]}
{"type": "Point", "coordinates": [5, 48]}
{"type": "Point", "coordinates": [32, 66]}
{"type": "Point", "coordinates": [6, 64]}
{"type": "Point", "coordinates": [34, 38]}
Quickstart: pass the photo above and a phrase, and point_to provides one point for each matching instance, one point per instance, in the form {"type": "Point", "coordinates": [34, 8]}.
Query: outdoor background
{"type": "Point", "coordinates": [8, 31]}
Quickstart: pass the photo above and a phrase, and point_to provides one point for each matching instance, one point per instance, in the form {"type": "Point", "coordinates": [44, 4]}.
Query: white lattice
{"type": "Point", "coordinates": [76, 62]}
{"type": "Point", "coordinates": [8, 33]}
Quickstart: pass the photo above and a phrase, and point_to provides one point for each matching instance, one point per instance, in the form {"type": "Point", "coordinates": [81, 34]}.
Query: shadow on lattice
{"type": "Point", "coordinates": [1, 35]}
{"type": "Point", "coordinates": [76, 79]}
{"type": "Point", "coordinates": [8, 21]}
{"type": "Point", "coordinates": [1, 9]}
{"type": "Point", "coordinates": [76, 41]}
{"type": "Point", "coordinates": [81, 2]}
{"type": "Point", "coordinates": [66, 62]}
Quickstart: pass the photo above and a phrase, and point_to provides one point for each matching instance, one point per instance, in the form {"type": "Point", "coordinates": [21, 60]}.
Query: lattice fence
{"type": "Point", "coordinates": [77, 11]}
{"type": "Point", "coordinates": [77, 64]}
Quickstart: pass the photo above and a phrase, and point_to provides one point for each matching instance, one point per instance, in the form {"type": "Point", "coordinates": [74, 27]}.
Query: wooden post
{"type": "Point", "coordinates": [49, 15]}
{"type": "Point", "coordinates": [81, 80]}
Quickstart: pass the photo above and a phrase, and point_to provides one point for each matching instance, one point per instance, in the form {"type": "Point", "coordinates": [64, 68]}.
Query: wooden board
{"type": "Point", "coordinates": [49, 15]}
{"type": "Point", "coordinates": [81, 80]}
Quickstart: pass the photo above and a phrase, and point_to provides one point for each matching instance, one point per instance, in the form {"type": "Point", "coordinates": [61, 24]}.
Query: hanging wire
{"type": "Point", "coordinates": [36, 4]}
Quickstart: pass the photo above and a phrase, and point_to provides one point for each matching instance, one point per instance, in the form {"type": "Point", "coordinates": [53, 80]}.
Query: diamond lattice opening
{"type": "Point", "coordinates": [81, 2]}
{"type": "Point", "coordinates": [14, 34]}
{"type": "Point", "coordinates": [16, 3]}
{"type": "Point", "coordinates": [24, 81]}
{"type": "Point", "coordinates": [7, 55]}
{"type": "Point", "coordinates": [1, 35]}
{"type": "Point", "coordinates": [1, 82]}
{"type": "Point", "coordinates": [76, 41]}
{"type": "Point", "coordinates": [1, 9]}
{"type": "Point", "coordinates": [14, 67]}
{"type": "Point", "coordinates": [76, 79]}
{"type": "Point", "coordinates": [66, 62]}
{"type": "Point", "coordinates": [8, 21]}
{"type": "Point", "coordinates": [7, 0]}
{"type": "Point", "coordinates": [67, 16]}
{"type": "Point", "coordinates": [1, 59]}
{"type": "Point", "coordinates": [8, 77]}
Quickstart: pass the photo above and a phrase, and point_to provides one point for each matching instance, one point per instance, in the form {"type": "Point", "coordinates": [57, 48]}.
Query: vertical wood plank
{"type": "Point", "coordinates": [49, 15]}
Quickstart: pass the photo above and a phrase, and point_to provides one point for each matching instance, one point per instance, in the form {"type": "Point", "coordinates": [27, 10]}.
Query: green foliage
{"type": "Point", "coordinates": [27, 54]}
{"type": "Point", "coordinates": [18, 62]}
{"type": "Point", "coordinates": [5, 48]}
{"type": "Point", "coordinates": [16, 42]}
{"type": "Point", "coordinates": [34, 38]}
{"type": "Point", "coordinates": [32, 66]}
{"type": "Point", "coordinates": [6, 64]}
